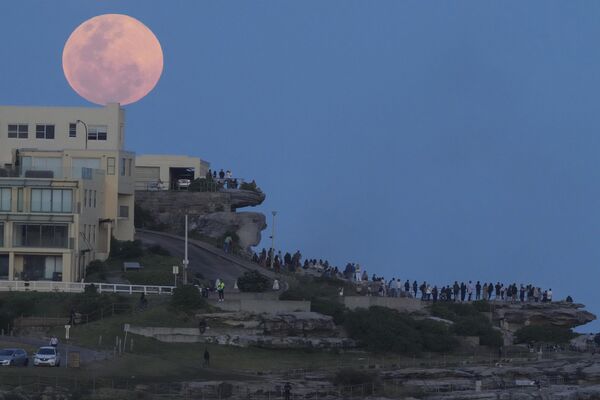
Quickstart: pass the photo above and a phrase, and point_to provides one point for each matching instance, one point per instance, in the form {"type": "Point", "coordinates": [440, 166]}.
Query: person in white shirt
{"type": "Point", "coordinates": [549, 295]}
{"type": "Point", "coordinates": [54, 341]}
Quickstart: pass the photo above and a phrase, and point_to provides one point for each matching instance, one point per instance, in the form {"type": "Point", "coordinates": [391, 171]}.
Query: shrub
{"type": "Point", "coordinates": [126, 250]}
{"type": "Point", "coordinates": [250, 186]}
{"type": "Point", "coordinates": [253, 281]}
{"type": "Point", "coordinates": [353, 377]}
{"type": "Point", "coordinates": [387, 330]}
{"type": "Point", "coordinates": [187, 299]}
{"type": "Point", "coordinates": [469, 321]}
{"type": "Point", "coordinates": [543, 334]}
{"type": "Point", "coordinates": [203, 185]}
{"type": "Point", "coordinates": [90, 302]}
{"type": "Point", "coordinates": [329, 307]}
{"type": "Point", "coordinates": [96, 267]}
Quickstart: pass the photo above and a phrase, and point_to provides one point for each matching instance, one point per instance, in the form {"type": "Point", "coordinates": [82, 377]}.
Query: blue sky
{"type": "Point", "coordinates": [429, 140]}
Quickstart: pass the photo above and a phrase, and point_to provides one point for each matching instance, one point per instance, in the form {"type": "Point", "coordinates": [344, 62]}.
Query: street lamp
{"type": "Point", "coordinates": [86, 131]}
{"type": "Point", "coordinates": [273, 239]}
{"type": "Point", "coordinates": [186, 261]}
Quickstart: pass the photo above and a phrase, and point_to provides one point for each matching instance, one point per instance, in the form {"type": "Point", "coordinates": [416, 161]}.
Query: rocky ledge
{"type": "Point", "coordinates": [511, 317]}
{"type": "Point", "coordinates": [246, 225]}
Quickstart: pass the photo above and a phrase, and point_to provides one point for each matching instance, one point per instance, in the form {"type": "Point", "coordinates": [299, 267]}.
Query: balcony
{"type": "Point", "coordinates": [52, 173]}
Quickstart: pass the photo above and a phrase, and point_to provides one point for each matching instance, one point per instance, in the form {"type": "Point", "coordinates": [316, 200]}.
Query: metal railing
{"type": "Point", "coordinates": [77, 287]}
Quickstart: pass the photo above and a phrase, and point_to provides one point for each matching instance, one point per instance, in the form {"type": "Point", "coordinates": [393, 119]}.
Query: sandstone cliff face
{"type": "Point", "coordinates": [246, 225]}
{"type": "Point", "coordinates": [511, 317]}
{"type": "Point", "coordinates": [211, 215]}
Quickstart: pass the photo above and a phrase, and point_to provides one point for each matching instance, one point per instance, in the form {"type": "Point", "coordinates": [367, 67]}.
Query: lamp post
{"type": "Point", "coordinates": [86, 131]}
{"type": "Point", "coordinates": [274, 213]}
{"type": "Point", "coordinates": [185, 260]}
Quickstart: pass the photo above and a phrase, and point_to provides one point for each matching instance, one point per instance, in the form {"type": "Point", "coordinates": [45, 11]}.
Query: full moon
{"type": "Point", "coordinates": [112, 58]}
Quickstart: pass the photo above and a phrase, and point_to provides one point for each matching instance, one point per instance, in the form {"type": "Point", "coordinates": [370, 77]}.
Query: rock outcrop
{"type": "Point", "coordinates": [511, 317]}
{"type": "Point", "coordinates": [246, 225]}
{"type": "Point", "coordinates": [211, 214]}
{"type": "Point", "coordinates": [294, 330]}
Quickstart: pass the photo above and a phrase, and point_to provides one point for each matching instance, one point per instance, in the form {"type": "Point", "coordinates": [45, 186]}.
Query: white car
{"type": "Point", "coordinates": [183, 183]}
{"type": "Point", "coordinates": [48, 356]}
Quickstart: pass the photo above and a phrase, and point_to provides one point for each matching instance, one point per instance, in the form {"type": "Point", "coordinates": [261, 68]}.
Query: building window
{"type": "Point", "coordinates": [123, 211]}
{"type": "Point", "coordinates": [52, 200]}
{"type": "Point", "coordinates": [97, 132]}
{"type": "Point", "coordinates": [5, 199]}
{"type": "Point", "coordinates": [95, 195]}
{"type": "Point", "coordinates": [37, 235]}
{"type": "Point", "coordinates": [1, 234]}
{"type": "Point", "coordinates": [20, 200]}
{"type": "Point", "coordinates": [4, 266]}
{"type": "Point", "coordinates": [44, 131]}
{"type": "Point", "coordinates": [72, 130]}
{"type": "Point", "coordinates": [129, 166]}
{"type": "Point", "coordinates": [123, 166]}
{"type": "Point", "coordinates": [110, 166]}
{"type": "Point", "coordinates": [20, 131]}
{"type": "Point", "coordinates": [42, 268]}
{"type": "Point", "coordinates": [85, 195]}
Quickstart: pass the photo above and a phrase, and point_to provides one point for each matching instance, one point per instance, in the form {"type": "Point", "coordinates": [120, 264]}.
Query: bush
{"type": "Point", "coordinates": [386, 330]}
{"type": "Point", "coordinates": [96, 267]}
{"type": "Point", "coordinates": [329, 307]}
{"type": "Point", "coordinates": [250, 186]}
{"type": "Point", "coordinates": [543, 334]}
{"type": "Point", "coordinates": [469, 321]}
{"type": "Point", "coordinates": [253, 281]}
{"type": "Point", "coordinates": [187, 299]}
{"type": "Point", "coordinates": [90, 302]}
{"type": "Point", "coordinates": [203, 185]}
{"type": "Point", "coordinates": [353, 377]}
{"type": "Point", "coordinates": [126, 250]}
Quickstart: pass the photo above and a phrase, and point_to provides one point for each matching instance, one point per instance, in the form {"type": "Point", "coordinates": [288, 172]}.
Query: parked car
{"type": "Point", "coordinates": [47, 355]}
{"type": "Point", "coordinates": [14, 357]}
{"type": "Point", "coordinates": [183, 183]}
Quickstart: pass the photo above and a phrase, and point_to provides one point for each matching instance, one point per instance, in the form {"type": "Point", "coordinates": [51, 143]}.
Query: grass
{"type": "Point", "coordinates": [158, 270]}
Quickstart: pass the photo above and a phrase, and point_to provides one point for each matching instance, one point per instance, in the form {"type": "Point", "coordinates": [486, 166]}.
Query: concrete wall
{"type": "Point", "coordinates": [264, 306]}
{"type": "Point", "coordinates": [396, 303]}
{"type": "Point", "coordinates": [110, 116]}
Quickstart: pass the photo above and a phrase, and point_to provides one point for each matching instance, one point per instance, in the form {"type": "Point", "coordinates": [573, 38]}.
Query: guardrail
{"type": "Point", "coordinates": [77, 287]}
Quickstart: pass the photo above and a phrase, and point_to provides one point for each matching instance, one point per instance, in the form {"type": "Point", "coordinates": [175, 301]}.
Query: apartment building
{"type": "Point", "coordinates": [66, 187]}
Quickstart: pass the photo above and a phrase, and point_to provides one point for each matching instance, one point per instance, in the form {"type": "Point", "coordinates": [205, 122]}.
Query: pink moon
{"type": "Point", "coordinates": [112, 58]}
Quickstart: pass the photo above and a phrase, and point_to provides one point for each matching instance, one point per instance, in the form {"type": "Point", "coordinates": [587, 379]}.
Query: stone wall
{"type": "Point", "coordinates": [397, 303]}
{"type": "Point", "coordinates": [264, 306]}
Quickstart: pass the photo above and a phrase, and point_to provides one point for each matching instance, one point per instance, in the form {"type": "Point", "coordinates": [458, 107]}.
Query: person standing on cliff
{"type": "Point", "coordinates": [206, 358]}
{"type": "Point", "coordinates": [227, 244]}
{"type": "Point", "coordinates": [478, 291]}
{"type": "Point", "coordinates": [470, 290]}
{"type": "Point", "coordinates": [415, 286]}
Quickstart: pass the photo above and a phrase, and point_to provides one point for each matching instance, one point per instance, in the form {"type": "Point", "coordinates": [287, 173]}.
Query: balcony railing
{"type": "Point", "coordinates": [51, 173]}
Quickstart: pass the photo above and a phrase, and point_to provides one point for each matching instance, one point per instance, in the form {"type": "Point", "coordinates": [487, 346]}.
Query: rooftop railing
{"type": "Point", "coordinates": [51, 173]}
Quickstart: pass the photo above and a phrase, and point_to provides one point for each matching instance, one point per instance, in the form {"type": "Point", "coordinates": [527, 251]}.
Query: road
{"type": "Point", "coordinates": [86, 355]}
{"type": "Point", "coordinates": [210, 264]}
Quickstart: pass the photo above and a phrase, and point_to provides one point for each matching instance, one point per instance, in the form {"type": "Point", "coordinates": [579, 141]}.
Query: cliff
{"type": "Point", "coordinates": [212, 215]}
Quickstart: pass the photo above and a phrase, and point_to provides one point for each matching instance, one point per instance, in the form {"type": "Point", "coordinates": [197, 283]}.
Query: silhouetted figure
{"type": "Point", "coordinates": [206, 358]}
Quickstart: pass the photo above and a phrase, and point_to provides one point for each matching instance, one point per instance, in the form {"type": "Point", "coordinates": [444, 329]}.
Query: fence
{"type": "Point", "coordinates": [77, 287]}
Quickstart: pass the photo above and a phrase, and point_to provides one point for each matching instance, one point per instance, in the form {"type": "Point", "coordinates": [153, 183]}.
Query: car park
{"type": "Point", "coordinates": [14, 357]}
{"type": "Point", "coordinates": [48, 356]}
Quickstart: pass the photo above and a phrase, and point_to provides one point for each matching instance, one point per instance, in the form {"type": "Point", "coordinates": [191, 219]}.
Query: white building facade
{"type": "Point", "coordinates": [66, 187]}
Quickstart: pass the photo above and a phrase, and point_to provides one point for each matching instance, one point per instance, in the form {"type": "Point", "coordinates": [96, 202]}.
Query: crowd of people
{"type": "Point", "coordinates": [395, 287]}
{"type": "Point", "coordinates": [463, 291]}
{"type": "Point", "coordinates": [223, 177]}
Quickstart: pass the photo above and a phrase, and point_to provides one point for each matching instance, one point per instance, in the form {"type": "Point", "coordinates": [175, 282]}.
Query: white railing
{"type": "Point", "coordinates": [76, 287]}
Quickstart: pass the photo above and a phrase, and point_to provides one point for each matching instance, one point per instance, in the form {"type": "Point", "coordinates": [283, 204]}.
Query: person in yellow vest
{"type": "Point", "coordinates": [221, 291]}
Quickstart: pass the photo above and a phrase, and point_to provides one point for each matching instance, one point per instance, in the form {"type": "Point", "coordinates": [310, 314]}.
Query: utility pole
{"type": "Point", "coordinates": [185, 260]}
{"type": "Point", "coordinates": [273, 239]}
